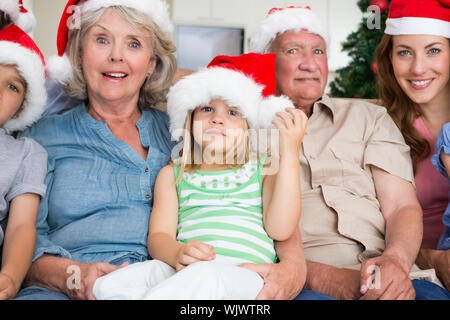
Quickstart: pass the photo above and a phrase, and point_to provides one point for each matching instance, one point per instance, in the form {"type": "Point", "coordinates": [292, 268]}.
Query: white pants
{"type": "Point", "coordinates": [155, 280]}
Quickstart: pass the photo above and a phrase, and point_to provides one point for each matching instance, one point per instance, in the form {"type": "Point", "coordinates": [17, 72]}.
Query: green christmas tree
{"type": "Point", "coordinates": [358, 79]}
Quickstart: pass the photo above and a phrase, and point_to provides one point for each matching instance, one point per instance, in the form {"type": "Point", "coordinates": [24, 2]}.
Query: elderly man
{"type": "Point", "coordinates": [361, 222]}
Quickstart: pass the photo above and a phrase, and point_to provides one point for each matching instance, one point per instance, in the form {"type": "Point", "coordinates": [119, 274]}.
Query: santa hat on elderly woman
{"type": "Point", "coordinates": [415, 17]}
{"type": "Point", "coordinates": [246, 82]}
{"type": "Point", "coordinates": [280, 20]}
{"type": "Point", "coordinates": [18, 49]}
{"type": "Point", "coordinates": [20, 16]}
{"type": "Point", "coordinates": [59, 67]}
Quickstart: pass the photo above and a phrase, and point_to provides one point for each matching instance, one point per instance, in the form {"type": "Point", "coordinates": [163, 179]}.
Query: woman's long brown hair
{"type": "Point", "coordinates": [399, 106]}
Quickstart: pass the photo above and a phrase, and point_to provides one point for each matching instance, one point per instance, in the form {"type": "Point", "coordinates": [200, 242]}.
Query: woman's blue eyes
{"type": "Point", "coordinates": [134, 44]}
{"type": "Point", "coordinates": [102, 41]}
{"type": "Point", "coordinates": [432, 51]}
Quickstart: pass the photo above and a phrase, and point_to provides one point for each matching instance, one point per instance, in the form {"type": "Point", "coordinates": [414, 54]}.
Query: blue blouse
{"type": "Point", "coordinates": [443, 144]}
{"type": "Point", "coordinates": [99, 190]}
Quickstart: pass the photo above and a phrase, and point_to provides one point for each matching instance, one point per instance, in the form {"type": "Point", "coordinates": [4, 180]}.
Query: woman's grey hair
{"type": "Point", "coordinates": [154, 90]}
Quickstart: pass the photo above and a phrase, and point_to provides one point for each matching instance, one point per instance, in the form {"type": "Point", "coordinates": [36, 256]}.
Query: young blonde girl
{"type": "Point", "coordinates": [23, 161]}
{"type": "Point", "coordinates": [215, 207]}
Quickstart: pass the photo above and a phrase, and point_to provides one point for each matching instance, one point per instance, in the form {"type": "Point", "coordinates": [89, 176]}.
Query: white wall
{"type": "Point", "coordinates": [48, 13]}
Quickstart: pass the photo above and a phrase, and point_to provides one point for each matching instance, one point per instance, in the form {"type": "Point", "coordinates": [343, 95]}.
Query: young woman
{"type": "Point", "coordinates": [414, 69]}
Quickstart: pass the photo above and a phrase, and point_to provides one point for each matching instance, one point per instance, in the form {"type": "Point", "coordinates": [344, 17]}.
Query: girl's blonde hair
{"type": "Point", "coordinates": [154, 89]}
{"type": "Point", "coordinates": [400, 107]}
{"type": "Point", "coordinates": [189, 154]}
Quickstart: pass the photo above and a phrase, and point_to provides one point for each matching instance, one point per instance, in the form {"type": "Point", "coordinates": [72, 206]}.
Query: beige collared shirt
{"type": "Point", "coordinates": [341, 222]}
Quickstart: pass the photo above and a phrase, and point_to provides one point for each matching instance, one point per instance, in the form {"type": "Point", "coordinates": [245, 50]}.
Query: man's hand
{"type": "Point", "coordinates": [384, 278]}
{"type": "Point", "coordinates": [89, 272]}
{"type": "Point", "coordinates": [282, 281]}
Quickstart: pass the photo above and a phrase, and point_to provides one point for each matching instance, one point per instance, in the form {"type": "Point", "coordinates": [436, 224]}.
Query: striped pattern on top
{"type": "Point", "coordinates": [224, 209]}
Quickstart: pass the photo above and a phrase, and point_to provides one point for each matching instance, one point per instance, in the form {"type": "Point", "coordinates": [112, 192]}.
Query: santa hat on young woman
{"type": "Point", "coordinates": [59, 67]}
{"type": "Point", "coordinates": [18, 49]}
{"type": "Point", "coordinates": [18, 14]}
{"type": "Point", "coordinates": [246, 82]}
{"type": "Point", "coordinates": [408, 17]}
{"type": "Point", "coordinates": [280, 20]}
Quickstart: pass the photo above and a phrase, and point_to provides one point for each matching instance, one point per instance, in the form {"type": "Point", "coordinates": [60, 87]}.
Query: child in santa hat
{"type": "Point", "coordinates": [217, 206]}
{"type": "Point", "coordinates": [23, 161]}
{"type": "Point", "coordinates": [13, 12]}
{"type": "Point", "coordinates": [414, 85]}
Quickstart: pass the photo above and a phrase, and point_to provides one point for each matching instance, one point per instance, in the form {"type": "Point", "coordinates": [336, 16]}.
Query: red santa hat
{"type": "Point", "coordinates": [18, 49]}
{"type": "Point", "coordinates": [280, 20]}
{"type": "Point", "coordinates": [18, 14]}
{"type": "Point", "coordinates": [246, 82]}
{"type": "Point", "coordinates": [59, 67]}
{"type": "Point", "coordinates": [430, 17]}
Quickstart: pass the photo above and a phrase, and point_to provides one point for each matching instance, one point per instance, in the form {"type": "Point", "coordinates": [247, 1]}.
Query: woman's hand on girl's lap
{"type": "Point", "coordinates": [439, 260]}
{"type": "Point", "coordinates": [7, 288]}
{"type": "Point", "coordinates": [89, 272]}
{"type": "Point", "coordinates": [292, 131]}
{"type": "Point", "coordinates": [441, 263]}
{"type": "Point", "coordinates": [194, 251]}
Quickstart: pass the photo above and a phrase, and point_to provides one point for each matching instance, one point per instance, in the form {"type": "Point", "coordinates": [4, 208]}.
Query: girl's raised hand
{"type": "Point", "coordinates": [292, 130]}
{"type": "Point", "coordinates": [194, 251]}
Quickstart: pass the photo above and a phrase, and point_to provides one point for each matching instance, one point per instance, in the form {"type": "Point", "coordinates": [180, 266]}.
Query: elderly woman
{"type": "Point", "coordinates": [105, 154]}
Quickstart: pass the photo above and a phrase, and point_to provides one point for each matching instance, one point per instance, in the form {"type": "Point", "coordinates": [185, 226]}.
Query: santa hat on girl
{"type": "Point", "coordinates": [246, 82]}
{"type": "Point", "coordinates": [18, 14]}
{"type": "Point", "coordinates": [280, 20]}
{"type": "Point", "coordinates": [17, 48]}
{"type": "Point", "coordinates": [59, 67]}
{"type": "Point", "coordinates": [430, 17]}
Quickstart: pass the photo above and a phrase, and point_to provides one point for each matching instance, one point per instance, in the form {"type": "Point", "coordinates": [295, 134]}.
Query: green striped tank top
{"type": "Point", "coordinates": [224, 209]}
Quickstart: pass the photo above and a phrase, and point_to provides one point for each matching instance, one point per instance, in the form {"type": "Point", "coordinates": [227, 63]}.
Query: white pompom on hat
{"type": "Point", "coordinates": [59, 67]}
{"type": "Point", "coordinates": [419, 17]}
{"type": "Point", "coordinates": [20, 16]}
{"type": "Point", "coordinates": [280, 20]}
{"type": "Point", "coordinates": [18, 49]}
{"type": "Point", "coordinates": [246, 82]}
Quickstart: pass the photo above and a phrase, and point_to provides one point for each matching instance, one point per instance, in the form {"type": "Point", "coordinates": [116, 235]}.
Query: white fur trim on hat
{"type": "Point", "coordinates": [32, 70]}
{"type": "Point", "coordinates": [156, 9]}
{"type": "Point", "coordinates": [25, 21]}
{"type": "Point", "coordinates": [269, 107]}
{"type": "Point", "coordinates": [200, 88]}
{"type": "Point", "coordinates": [59, 69]}
{"type": "Point", "coordinates": [417, 25]}
{"type": "Point", "coordinates": [281, 21]}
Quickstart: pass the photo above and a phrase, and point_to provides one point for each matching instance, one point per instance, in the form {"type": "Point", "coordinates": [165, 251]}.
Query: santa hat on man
{"type": "Point", "coordinates": [430, 17]}
{"type": "Point", "coordinates": [246, 82]}
{"type": "Point", "coordinates": [18, 14]}
{"type": "Point", "coordinates": [280, 20]}
{"type": "Point", "coordinates": [59, 67]}
{"type": "Point", "coordinates": [18, 49]}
